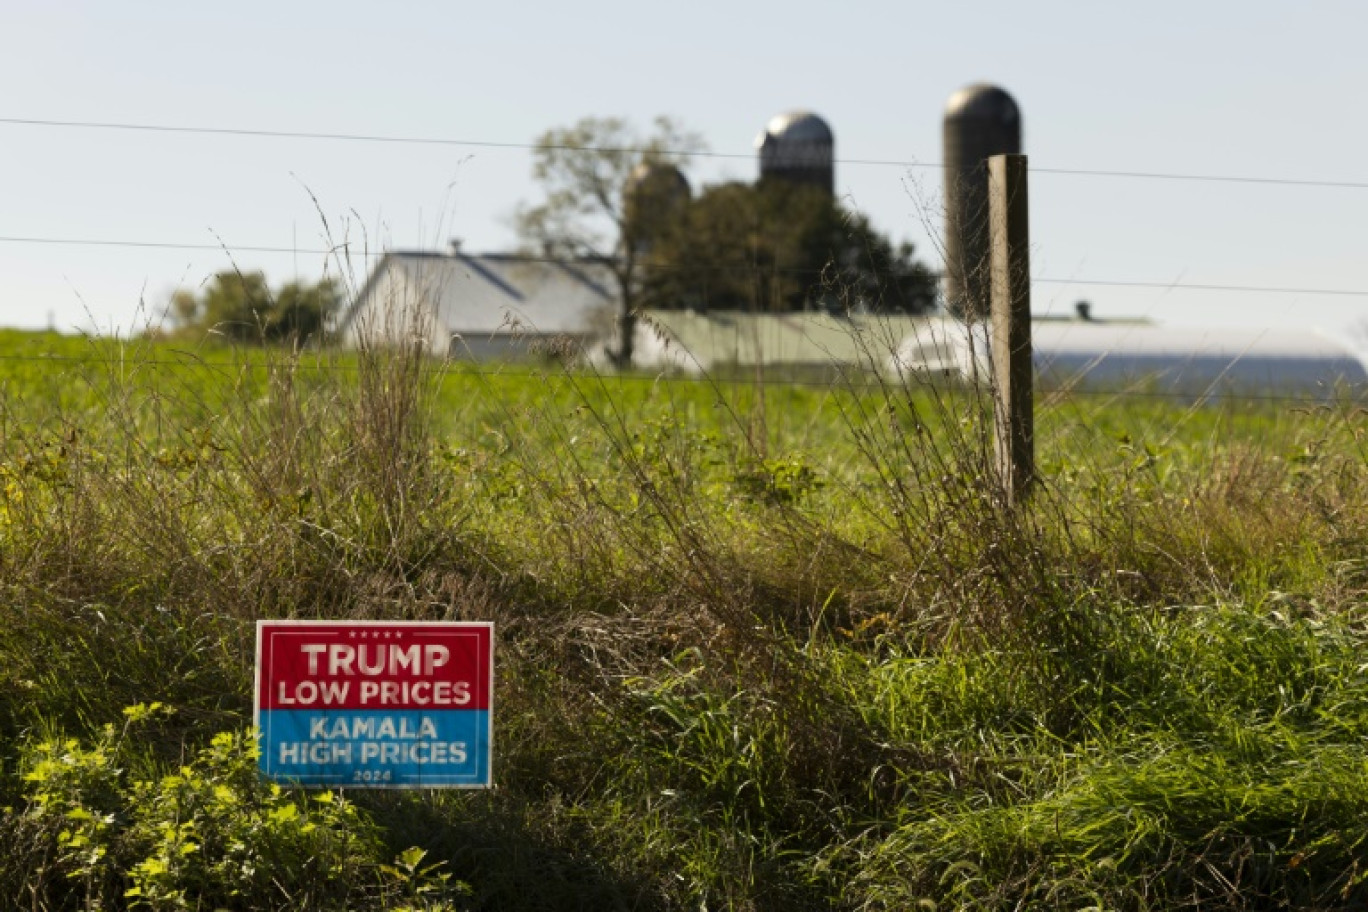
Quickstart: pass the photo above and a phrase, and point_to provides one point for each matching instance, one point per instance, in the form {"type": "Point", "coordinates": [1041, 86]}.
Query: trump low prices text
{"type": "Point", "coordinates": [375, 704]}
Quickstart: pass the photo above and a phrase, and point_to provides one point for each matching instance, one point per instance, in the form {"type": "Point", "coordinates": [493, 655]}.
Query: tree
{"type": "Point", "coordinates": [778, 246]}
{"type": "Point", "coordinates": [586, 171]}
{"type": "Point", "coordinates": [240, 306]}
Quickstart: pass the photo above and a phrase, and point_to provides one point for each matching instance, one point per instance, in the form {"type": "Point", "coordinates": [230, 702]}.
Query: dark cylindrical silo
{"type": "Point", "coordinates": [800, 148]}
{"type": "Point", "coordinates": [654, 197]}
{"type": "Point", "coordinates": [980, 121]}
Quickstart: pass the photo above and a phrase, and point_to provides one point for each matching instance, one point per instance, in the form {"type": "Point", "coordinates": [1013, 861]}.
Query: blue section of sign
{"type": "Point", "coordinates": [364, 748]}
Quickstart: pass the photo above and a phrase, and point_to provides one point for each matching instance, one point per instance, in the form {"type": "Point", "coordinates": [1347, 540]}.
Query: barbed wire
{"type": "Point", "coordinates": [344, 251]}
{"type": "Point", "coordinates": [389, 139]}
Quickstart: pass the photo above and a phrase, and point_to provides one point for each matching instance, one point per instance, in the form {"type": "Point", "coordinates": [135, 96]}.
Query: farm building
{"type": "Point", "coordinates": [1193, 359]}
{"type": "Point", "coordinates": [703, 341]}
{"type": "Point", "coordinates": [1142, 356]}
{"type": "Point", "coordinates": [480, 307]}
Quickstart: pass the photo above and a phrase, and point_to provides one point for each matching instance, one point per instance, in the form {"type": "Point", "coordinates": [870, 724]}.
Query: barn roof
{"type": "Point", "coordinates": [488, 293]}
{"type": "Point", "coordinates": [1124, 355]}
{"type": "Point", "coordinates": [700, 340]}
{"type": "Point", "coordinates": [1252, 358]}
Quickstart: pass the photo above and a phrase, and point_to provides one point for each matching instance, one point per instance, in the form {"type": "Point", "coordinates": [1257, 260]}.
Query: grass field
{"type": "Point", "coordinates": [762, 645]}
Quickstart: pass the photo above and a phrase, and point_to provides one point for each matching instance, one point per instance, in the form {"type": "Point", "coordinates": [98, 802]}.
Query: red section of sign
{"type": "Point", "coordinates": [373, 665]}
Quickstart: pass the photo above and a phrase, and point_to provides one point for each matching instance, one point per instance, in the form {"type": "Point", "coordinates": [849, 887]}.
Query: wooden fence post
{"type": "Point", "coordinates": [1010, 264]}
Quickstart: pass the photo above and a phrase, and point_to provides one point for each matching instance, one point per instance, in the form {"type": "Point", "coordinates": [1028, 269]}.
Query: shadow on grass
{"type": "Point", "coordinates": [515, 855]}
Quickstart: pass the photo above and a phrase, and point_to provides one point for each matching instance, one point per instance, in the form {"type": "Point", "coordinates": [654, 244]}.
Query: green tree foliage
{"type": "Point", "coordinates": [585, 171]}
{"type": "Point", "coordinates": [241, 307]}
{"type": "Point", "coordinates": [776, 246]}
{"type": "Point", "coordinates": [614, 196]}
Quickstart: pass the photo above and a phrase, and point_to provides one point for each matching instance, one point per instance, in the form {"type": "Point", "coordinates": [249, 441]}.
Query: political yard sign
{"type": "Point", "coordinates": [375, 704]}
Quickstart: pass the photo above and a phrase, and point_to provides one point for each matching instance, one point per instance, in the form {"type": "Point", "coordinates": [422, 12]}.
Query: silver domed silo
{"type": "Point", "coordinates": [798, 147]}
{"type": "Point", "coordinates": [981, 120]}
{"type": "Point", "coordinates": [654, 195]}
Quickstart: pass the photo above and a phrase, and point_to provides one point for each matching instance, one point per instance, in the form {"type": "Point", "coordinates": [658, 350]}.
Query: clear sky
{"type": "Point", "coordinates": [1249, 89]}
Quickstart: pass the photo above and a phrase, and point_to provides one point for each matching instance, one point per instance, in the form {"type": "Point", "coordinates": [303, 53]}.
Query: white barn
{"type": "Point", "coordinates": [482, 306]}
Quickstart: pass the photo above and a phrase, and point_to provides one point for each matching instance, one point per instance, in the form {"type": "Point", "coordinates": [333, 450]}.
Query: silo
{"type": "Point", "coordinates": [980, 121]}
{"type": "Point", "coordinates": [654, 195]}
{"type": "Point", "coordinates": [800, 148]}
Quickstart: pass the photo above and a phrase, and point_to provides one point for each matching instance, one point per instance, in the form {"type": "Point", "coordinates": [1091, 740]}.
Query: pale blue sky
{"type": "Point", "coordinates": [1252, 89]}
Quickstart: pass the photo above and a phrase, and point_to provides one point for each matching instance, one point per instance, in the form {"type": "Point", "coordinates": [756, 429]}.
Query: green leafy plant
{"type": "Point", "coordinates": [208, 833]}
